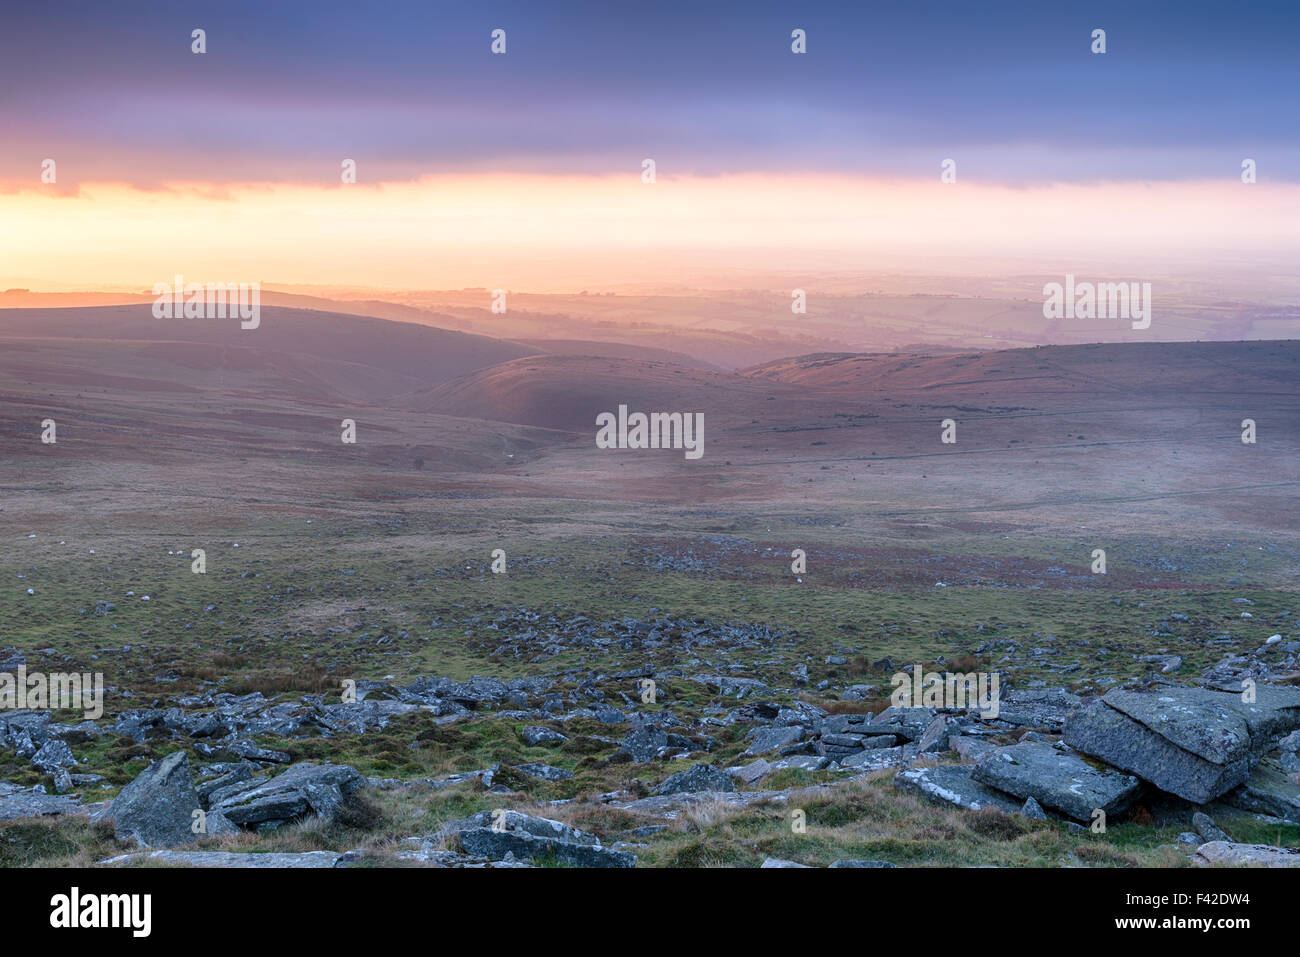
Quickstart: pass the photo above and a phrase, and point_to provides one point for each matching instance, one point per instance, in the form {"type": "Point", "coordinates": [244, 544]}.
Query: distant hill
{"type": "Point", "coordinates": [567, 392]}
{"type": "Point", "coordinates": [351, 355]}
{"type": "Point", "coordinates": [613, 350]}
{"type": "Point", "coordinates": [1105, 367]}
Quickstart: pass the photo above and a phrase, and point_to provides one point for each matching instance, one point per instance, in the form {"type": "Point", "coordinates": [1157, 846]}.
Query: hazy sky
{"type": "Point", "coordinates": [231, 159]}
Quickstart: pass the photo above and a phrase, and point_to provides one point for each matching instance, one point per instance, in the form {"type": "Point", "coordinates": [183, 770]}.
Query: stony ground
{"type": "Point", "coordinates": [362, 707]}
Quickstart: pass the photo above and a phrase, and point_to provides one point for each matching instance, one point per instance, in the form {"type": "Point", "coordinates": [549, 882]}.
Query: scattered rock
{"type": "Point", "coordinates": [544, 771]}
{"type": "Point", "coordinates": [770, 739]}
{"type": "Point", "coordinates": [1193, 742]}
{"type": "Point", "coordinates": [1207, 829]}
{"type": "Point", "coordinates": [1226, 854]}
{"type": "Point", "coordinates": [1057, 779]}
{"type": "Point", "coordinates": [35, 803]}
{"type": "Point", "coordinates": [1036, 708]}
{"type": "Point", "coordinates": [157, 808]}
{"type": "Point", "coordinates": [494, 835]}
{"type": "Point", "coordinates": [701, 777]}
{"type": "Point", "coordinates": [754, 771]}
{"type": "Point", "coordinates": [802, 762]}
{"type": "Point", "coordinates": [302, 790]}
{"type": "Point", "coordinates": [876, 759]}
{"type": "Point", "coordinates": [645, 743]}
{"type": "Point", "coordinates": [935, 736]}
{"type": "Point", "coordinates": [535, 735]}
{"type": "Point", "coordinates": [1033, 810]}
{"type": "Point", "coordinates": [861, 863]}
{"type": "Point", "coordinates": [53, 756]}
{"type": "Point", "coordinates": [971, 749]}
{"type": "Point", "coordinates": [1268, 790]}
{"type": "Point", "coordinates": [954, 784]}
{"type": "Point", "coordinates": [226, 859]}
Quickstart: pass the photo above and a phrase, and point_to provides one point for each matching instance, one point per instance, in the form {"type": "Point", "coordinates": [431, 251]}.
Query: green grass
{"type": "Point", "coordinates": [325, 594]}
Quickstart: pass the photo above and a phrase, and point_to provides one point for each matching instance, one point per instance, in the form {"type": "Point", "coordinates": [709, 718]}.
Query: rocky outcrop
{"type": "Point", "coordinates": [18, 802]}
{"type": "Point", "coordinates": [498, 835]}
{"type": "Point", "coordinates": [535, 736]}
{"type": "Point", "coordinates": [1057, 779]}
{"type": "Point", "coordinates": [1225, 854]}
{"type": "Point", "coordinates": [1193, 742]}
{"type": "Point", "coordinates": [225, 859]}
{"type": "Point", "coordinates": [1036, 708]}
{"type": "Point", "coordinates": [954, 784]}
{"type": "Point", "coordinates": [645, 743]}
{"type": "Point", "coordinates": [1268, 790]}
{"type": "Point", "coordinates": [701, 777]}
{"type": "Point", "coordinates": [302, 791]}
{"type": "Point", "coordinates": [157, 808]}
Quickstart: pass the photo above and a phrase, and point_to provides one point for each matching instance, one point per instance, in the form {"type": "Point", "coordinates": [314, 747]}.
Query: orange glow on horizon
{"type": "Point", "coordinates": [563, 232]}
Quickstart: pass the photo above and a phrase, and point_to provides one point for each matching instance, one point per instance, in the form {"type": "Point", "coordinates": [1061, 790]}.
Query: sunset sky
{"type": "Point", "coordinates": [524, 170]}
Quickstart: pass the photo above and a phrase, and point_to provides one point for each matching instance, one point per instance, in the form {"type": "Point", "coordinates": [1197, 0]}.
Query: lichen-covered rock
{"type": "Point", "coordinates": [157, 808]}
{"type": "Point", "coordinates": [494, 835]}
{"type": "Point", "coordinates": [954, 784]}
{"type": "Point", "coordinates": [535, 735]}
{"type": "Point", "coordinates": [227, 859]}
{"type": "Point", "coordinates": [701, 777]}
{"type": "Point", "coordinates": [302, 791]}
{"type": "Point", "coordinates": [1226, 854]}
{"type": "Point", "coordinates": [645, 743]}
{"type": "Point", "coordinates": [1058, 779]}
{"type": "Point", "coordinates": [1268, 790]}
{"type": "Point", "coordinates": [1193, 742]}
{"type": "Point", "coordinates": [18, 802]}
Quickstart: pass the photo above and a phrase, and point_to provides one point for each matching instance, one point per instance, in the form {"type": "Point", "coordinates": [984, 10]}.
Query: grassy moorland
{"type": "Point", "coordinates": [328, 564]}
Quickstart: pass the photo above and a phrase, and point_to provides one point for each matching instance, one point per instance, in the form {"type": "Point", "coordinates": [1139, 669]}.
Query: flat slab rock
{"type": "Point", "coordinates": [422, 852]}
{"type": "Point", "coordinates": [877, 759]}
{"type": "Point", "coordinates": [1057, 779]}
{"type": "Point", "coordinates": [1193, 742]}
{"type": "Point", "coordinates": [699, 777]}
{"type": "Point", "coordinates": [519, 836]}
{"type": "Point", "coordinates": [1268, 790]}
{"type": "Point", "coordinates": [18, 804]}
{"type": "Point", "coordinates": [496, 845]}
{"type": "Point", "coordinates": [303, 790]}
{"type": "Point", "coordinates": [1227, 854]}
{"type": "Point", "coordinates": [226, 859]}
{"type": "Point", "coordinates": [668, 806]}
{"type": "Point", "coordinates": [518, 822]}
{"type": "Point", "coordinates": [954, 784]}
{"type": "Point", "coordinates": [861, 863]}
{"type": "Point", "coordinates": [1036, 708]}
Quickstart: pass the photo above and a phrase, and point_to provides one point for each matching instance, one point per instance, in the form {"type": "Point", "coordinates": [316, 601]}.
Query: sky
{"type": "Point", "coordinates": [515, 169]}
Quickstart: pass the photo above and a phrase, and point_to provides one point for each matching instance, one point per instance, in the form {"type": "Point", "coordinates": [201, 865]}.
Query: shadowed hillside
{"type": "Point", "coordinates": [567, 392]}
{"type": "Point", "coordinates": [1232, 367]}
{"type": "Point", "coordinates": [412, 355]}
